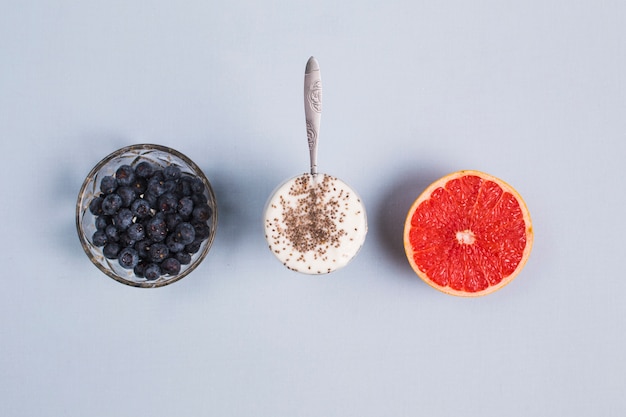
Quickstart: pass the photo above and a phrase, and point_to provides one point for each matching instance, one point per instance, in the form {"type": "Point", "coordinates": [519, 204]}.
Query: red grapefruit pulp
{"type": "Point", "coordinates": [468, 234]}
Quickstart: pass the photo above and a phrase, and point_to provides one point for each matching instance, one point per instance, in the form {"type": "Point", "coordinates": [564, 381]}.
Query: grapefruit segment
{"type": "Point", "coordinates": [468, 234]}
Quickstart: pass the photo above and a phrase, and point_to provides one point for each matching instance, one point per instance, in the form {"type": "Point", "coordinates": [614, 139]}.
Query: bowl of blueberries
{"type": "Point", "coordinates": [146, 215]}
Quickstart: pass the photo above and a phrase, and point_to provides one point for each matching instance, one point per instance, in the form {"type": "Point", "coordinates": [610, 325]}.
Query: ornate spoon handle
{"type": "Point", "coordinates": [312, 108]}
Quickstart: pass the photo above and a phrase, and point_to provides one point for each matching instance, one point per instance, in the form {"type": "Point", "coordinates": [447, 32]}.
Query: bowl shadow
{"type": "Point", "coordinates": [394, 205]}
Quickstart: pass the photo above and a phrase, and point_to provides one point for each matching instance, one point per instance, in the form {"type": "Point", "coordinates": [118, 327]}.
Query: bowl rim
{"type": "Point", "coordinates": [86, 245]}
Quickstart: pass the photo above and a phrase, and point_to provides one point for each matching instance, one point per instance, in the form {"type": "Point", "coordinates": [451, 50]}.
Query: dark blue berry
{"type": "Point", "coordinates": [144, 169]}
{"type": "Point", "coordinates": [108, 184]}
{"type": "Point", "coordinates": [183, 257]}
{"type": "Point", "coordinates": [138, 269]}
{"type": "Point", "coordinates": [127, 194]}
{"type": "Point", "coordinates": [202, 213]}
{"type": "Point", "coordinates": [140, 208]}
{"type": "Point", "coordinates": [167, 203]}
{"type": "Point", "coordinates": [156, 229]}
{"type": "Point", "coordinates": [172, 172]}
{"type": "Point", "coordinates": [140, 185]}
{"type": "Point", "coordinates": [183, 187]}
{"type": "Point", "coordinates": [112, 232]}
{"type": "Point", "coordinates": [199, 199]}
{"type": "Point", "coordinates": [143, 248]}
{"type": "Point", "coordinates": [202, 229]}
{"type": "Point", "coordinates": [102, 222]}
{"type": "Point", "coordinates": [156, 186]}
{"type": "Point", "coordinates": [95, 205]}
{"type": "Point", "coordinates": [99, 238]}
{"type": "Point", "coordinates": [125, 175]}
{"type": "Point", "coordinates": [152, 272]}
{"type": "Point", "coordinates": [159, 252]}
{"type": "Point", "coordinates": [110, 250]}
{"type": "Point", "coordinates": [185, 206]}
{"type": "Point", "coordinates": [123, 219]}
{"type": "Point", "coordinates": [194, 246]}
{"type": "Point", "coordinates": [170, 186]}
{"type": "Point", "coordinates": [126, 240]}
{"type": "Point", "coordinates": [173, 245]}
{"type": "Point", "coordinates": [173, 220]}
{"type": "Point", "coordinates": [185, 233]}
{"type": "Point", "coordinates": [151, 199]}
{"type": "Point", "coordinates": [111, 204]}
{"type": "Point", "coordinates": [136, 231]}
{"type": "Point", "coordinates": [128, 258]}
{"type": "Point", "coordinates": [197, 186]}
{"type": "Point", "coordinates": [170, 266]}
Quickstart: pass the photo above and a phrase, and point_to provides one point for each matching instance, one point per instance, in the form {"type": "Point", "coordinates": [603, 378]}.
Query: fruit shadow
{"type": "Point", "coordinates": [65, 183]}
{"type": "Point", "coordinates": [241, 195]}
{"type": "Point", "coordinates": [394, 205]}
{"type": "Point", "coordinates": [64, 198]}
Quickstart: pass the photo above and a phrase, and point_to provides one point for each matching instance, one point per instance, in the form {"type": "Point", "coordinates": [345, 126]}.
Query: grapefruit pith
{"type": "Point", "coordinates": [468, 234]}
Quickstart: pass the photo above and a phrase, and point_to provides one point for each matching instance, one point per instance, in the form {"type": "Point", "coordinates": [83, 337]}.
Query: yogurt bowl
{"type": "Point", "coordinates": [315, 224]}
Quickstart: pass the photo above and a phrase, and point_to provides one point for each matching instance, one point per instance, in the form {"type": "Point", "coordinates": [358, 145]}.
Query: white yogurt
{"type": "Point", "coordinates": [315, 224]}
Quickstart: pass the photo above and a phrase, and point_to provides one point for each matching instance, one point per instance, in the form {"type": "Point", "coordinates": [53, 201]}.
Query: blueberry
{"type": "Point", "coordinates": [159, 252]}
{"type": "Point", "coordinates": [99, 238]}
{"type": "Point", "coordinates": [156, 229]}
{"type": "Point", "coordinates": [136, 231]}
{"type": "Point", "coordinates": [203, 231]}
{"type": "Point", "coordinates": [185, 206]}
{"type": "Point", "coordinates": [152, 272]}
{"type": "Point", "coordinates": [156, 186]}
{"type": "Point", "coordinates": [111, 204]}
{"type": "Point", "coordinates": [138, 269]}
{"type": "Point", "coordinates": [173, 220]}
{"type": "Point", "coordinates": [173, 245]}
{"type": "Point", "coordinates": [183, 257]}
{"type": "Point", "coordinates": [183, 188]}
{"type": "Point", "coordinates": [102, 222]}
{"type": "Point", "coordinates": [125, 175]}
{"type": "Point", "coordinates": [167, 203]}
{"type": "Point", "coordinates": [144, 169]}
{"type": "Point", "coordinates": [170, 266]}
{"type": "Point", "coordinates": [126, 240]}
{"type": "Point", "coordinates": [172, 172]}
{"type": "Point", "coordinates": [140, 208]}
{"type": "Point", "coordinates": [197, 186]}
{"type": "Point", "coordinates": [140, 185]}
{"type": "Point", "coordinates": [110, 250]}
{"type": "Point", "coordinates": [151, 199]}
{"type": "Point", "coordinates": [185, 233]}
{"type": "Point", "coordinates": [194, 246]}
{"type": "Point", "coordinates": [143, 248]}
{"type": "Point", "coordinates": [127, 194]}
{"type": "Point", "coordinates": [113, 234]}
{"type": "Point", "coordinates": [128, 258]}
{"type": "Point", "coordinates": [199, 199]}
{"type": "Point", "coordinates": [170, 186]}
{"type": "Point", "coordinates": [108, 184]}
{"type": "Point", "coordinates": [95, 205]}
{"type": "Point", "coordinates": [202, 213]}
{"type": "Point", "coordinates": [158, 174]}
{"type": "Point", "coordinates": [123, 219]}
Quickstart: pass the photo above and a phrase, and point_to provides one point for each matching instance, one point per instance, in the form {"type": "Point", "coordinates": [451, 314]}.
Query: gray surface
{"type": "Point", "coordinates": [533, 92]}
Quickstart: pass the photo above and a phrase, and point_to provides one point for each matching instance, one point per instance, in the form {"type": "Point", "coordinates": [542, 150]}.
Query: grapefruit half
{"type": "Point", "coordinates": [468, 234]}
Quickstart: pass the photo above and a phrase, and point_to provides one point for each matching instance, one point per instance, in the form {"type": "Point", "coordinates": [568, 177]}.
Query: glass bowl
{"type": "Point", "coordinates": [159, 157]}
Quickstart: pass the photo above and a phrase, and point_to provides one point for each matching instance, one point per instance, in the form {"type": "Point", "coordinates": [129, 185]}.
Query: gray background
{"type": "Point", "coordinates": [533, 92]}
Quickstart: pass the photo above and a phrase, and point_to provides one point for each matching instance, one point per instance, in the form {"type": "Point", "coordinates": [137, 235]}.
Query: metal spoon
{"type": "Point", "coordinates": [312, 108]}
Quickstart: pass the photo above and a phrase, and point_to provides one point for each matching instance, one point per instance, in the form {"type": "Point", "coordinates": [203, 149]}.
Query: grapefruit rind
{"type": "Point", "coordinates": [426, 194]}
